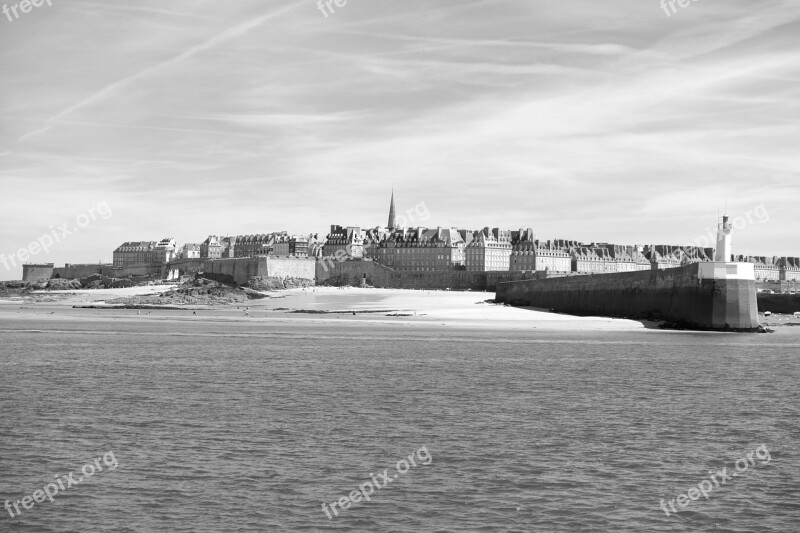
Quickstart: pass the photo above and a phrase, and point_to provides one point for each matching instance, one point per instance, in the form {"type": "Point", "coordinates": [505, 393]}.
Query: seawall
{"type": "Point", "coordinates": [357, 272]}
{"type": "Point", "coordinates": [779, 303]}
{"type": "Point", "coordinates": [240, 270]}
{"type": "Point", "coordinates": [704, 296]}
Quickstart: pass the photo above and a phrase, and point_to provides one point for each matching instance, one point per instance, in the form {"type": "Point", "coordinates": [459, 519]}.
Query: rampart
{"type": "Point", "coordinates": [779, 303]}
{"type": "Point", "coordinates": [367, 272]}
{"type": "Point", "coordinates": [705, 296]}
{"type": "Point", "coordinates": [240, 270]}
{"type": "Point", "coordinates": [83, 271]}
{"type": "Point", "coordinates": [37, 272]}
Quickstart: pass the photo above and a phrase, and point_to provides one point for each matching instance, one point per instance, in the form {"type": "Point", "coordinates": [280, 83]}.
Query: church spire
{"type": "Point", "coordinates": [392, 220]}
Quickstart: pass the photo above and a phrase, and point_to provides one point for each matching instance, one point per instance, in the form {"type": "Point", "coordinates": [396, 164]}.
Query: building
{"type": "Point", "coordinates": [190, 251]}
{"type": "Point", "coordinates": [625, 258]}
{"type": "Point", "coordinates": [315, 245]}
{"type": "Point", "coordinates": [228, 247]}
{"type": "Point", "coordinates": [790, 268]}
{"type": "Point", "coordinates": [767, 268]}
{"type": "Point", "coordinates": [487, 250]}
{"type": "Point", "coordinates": [261, 244]}
{"type": "Point", "coordinates": [344, 240]}
{"type": "Point", "coordinates": [165, 251]}
{"type": "Point", "coordinates": [531, 255]}
{"type": "Point", "coordinates": [253, 245]}
{"type": "Point", "coordinates": [211, 248]}
{"type": "Point", "coordinates": [145, 253]}
{"type": "Point", "coordinates": [298, 246]}
{"type": "Point", "coordinates": [592, 260]}
{"type": "Point", "coordinates": [421, 249]}
{"type": "Point", "coordinates": [280, 245]}
{"type": "Point", "coordinates": [659, 261]}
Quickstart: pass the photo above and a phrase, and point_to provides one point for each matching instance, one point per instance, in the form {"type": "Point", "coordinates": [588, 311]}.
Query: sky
{"type": "Point", "coordinates": [619, 121]}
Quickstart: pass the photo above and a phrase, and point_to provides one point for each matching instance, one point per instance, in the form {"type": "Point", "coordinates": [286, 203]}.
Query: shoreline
{"type": "Point", "coordinates": [320, 305]}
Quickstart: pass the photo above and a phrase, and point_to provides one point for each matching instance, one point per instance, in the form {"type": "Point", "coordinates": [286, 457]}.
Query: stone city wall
{"type": "Point", "coordinates": [690, 296]}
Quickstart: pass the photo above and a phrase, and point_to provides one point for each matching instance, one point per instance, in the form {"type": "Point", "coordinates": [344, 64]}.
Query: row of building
{"type": "Point", "coordinates": [425, 249]}
{"type": "Point", "coordinates": [440, 249]}
{"type": "Point", "coordinates": [152, 253]}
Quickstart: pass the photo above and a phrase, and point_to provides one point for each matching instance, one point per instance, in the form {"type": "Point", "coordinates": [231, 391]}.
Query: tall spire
{"type": "Point", "coordinates": [392, 221]}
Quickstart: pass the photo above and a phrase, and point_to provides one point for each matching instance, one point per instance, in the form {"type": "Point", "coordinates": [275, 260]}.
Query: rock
{"type": "Point", "coordinates": [278, 284]}
{"type": "Point", "coordinates": [58, 284]}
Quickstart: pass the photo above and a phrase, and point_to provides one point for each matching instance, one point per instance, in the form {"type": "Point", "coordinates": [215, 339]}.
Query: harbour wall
{"type": "Point", "coordinates": [357, 272]}
{"type": "Point", "coordinates": [240, 270]}
{"type": "Point", "coordinates": [83, 271]}
{"type": "Point", "coordinates": [779, 303]}
{"type": "Point", "coordinates": [705, 296]}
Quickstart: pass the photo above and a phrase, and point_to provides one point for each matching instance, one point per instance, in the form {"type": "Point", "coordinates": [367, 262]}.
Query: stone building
{"type": "Point", "coordinates": [421, 249]}
{"type": "Point", "coordinates": [372, 239]}
{"type": "Point", "coordinates": [228, 247]}
{"type": "Point", "coordinates": [144, 253]}
{"type": "Point", "coordinates": [549, 258]}
{"type": "Point", "coordinates": [190, 251]}
{"type": "Point", "coordinates": [487, 250]}
{"type": "Point", "coordinates": [790, 268]}
{"type": "Point", "coordinates": [254, 245]}
{"type": "Point", "coordinates": [592, 260]}
{"type": "Point", "coordinates": [659, 261]}
{"type": "Point", "coordinates": [350, 240]}
{"type": "Point", "coordinates": [315, 245]}
{"type": "Point", "coordinates": [625, 258]}
{"type": "Point", "coordinates": [767, 268]}
{"type": "Point", "coordinates": [211, 248]}
{"type": "Point", "coordinates": [261, 244]}
{"type": "Point", "coordinates": [280, 246]}
{"type": "Point", "coordinates": [528, 254]}
{"type": "Point", "coordinates": [298, 246]}
{"type": "Point", "coordinates": [165, 250]}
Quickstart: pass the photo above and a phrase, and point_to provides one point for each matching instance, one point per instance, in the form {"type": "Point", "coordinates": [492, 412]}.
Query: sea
{"type": "Point", "coordinates": [235, 425]}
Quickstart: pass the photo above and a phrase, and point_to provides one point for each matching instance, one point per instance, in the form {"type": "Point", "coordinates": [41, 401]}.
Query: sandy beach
{"type": "Point", "coordinates": [320, 304]}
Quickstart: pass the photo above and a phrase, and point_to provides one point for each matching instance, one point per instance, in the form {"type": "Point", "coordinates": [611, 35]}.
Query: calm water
{"type": "Point", "coordinates": [237, 426]}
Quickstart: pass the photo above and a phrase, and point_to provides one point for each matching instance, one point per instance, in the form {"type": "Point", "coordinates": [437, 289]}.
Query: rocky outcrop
{"type": "Point", "coordinates": [92, 282]}
{"type": "Point", "coordinates": [8, 288]}
{"type": "Point", "coordinates": [278, 284]}
{"type": "Point", "coordinates": [198, 291]}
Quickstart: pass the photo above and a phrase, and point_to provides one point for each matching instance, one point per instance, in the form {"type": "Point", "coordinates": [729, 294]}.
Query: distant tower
{"type": "Point", "coordinates": [723, 250]}
{"type": "Point", "coordinates": [392, 221]}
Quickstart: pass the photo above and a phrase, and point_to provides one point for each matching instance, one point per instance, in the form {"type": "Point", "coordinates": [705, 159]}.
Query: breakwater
{"type": "Point", "coordinates": [779, 303]}
{"type": "Point", "coordinates": [704, 296]}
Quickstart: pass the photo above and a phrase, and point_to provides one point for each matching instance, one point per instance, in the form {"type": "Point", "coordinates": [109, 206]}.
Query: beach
{"type": "Point", "coordinates": [388, 307]}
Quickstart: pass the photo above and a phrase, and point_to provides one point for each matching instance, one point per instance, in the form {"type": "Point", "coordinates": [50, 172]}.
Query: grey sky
{"type": "Point", "coordinates": [582, 119]}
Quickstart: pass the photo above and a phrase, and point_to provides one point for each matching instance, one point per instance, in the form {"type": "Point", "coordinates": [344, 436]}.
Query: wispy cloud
{"type": "Point", "coordinates": [597, 121]}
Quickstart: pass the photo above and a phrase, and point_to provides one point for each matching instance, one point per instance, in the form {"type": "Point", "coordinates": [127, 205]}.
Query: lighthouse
{"type": "Point", "coordinates": [723, 250]}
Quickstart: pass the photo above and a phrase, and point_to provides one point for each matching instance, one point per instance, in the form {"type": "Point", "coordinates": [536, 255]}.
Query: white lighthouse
{"type": "Point", "coordinates": [723, 250]}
